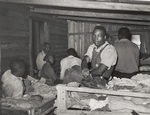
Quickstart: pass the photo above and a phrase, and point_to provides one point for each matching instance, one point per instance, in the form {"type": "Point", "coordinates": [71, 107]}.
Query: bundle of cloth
{"type": "Point", "coordinates": [138, 83]}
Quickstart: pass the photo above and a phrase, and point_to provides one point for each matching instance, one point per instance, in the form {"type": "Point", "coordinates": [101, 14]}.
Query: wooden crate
{"type": "Point", "coordinates": [62, 91]}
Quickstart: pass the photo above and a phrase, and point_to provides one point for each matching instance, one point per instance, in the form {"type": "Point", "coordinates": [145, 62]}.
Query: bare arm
{"type": "Point", "coordinates": [99, 70]}
{"type": "Point", "coordinates": [85, 61]}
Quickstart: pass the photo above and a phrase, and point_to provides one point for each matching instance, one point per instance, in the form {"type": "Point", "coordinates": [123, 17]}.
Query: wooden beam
{"type": "Point", "coordinates": [44, 17]}
{"type": "Point", "coordinates": [85, 4]}
{"type": "Point", "coordinates": [92, 14]}
{"type": "Point", "coordinates": [134, 1]}
{"type": "Point", "coordinates": [127, 1]}
{"type": "Point", "coordinates": [104, 20]}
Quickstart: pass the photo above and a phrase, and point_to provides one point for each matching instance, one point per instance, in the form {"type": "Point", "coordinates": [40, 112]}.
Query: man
{"type": "Point", "coordinates": [12, 84]}
{"type": "Point", "coordinates": [128, 55]}
{"type": "Point", "coordinates": [48, 74]}
{"type": "Point", "coordinates": [101, 55]}
{"type": "Point", "coordinates": [69, 61]}
{"type": "Point", "coordinates": [39, 60]}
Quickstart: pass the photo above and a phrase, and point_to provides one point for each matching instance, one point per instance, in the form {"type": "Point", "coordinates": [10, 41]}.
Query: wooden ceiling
{"type": "Point", "coordinates": [133, 12]}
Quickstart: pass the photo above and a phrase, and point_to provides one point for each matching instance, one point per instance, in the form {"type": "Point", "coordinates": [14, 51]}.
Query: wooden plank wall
{"type": "Point", "coordinates": [14, 35]}
{"type": "Point", "coordinates": [80, 35]}
{"type": "Point", "coordinates": [59, 40]}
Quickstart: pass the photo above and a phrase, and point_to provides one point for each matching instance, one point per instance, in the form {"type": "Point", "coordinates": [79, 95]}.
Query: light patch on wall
{"type": "Point", "coordinates": [136, 39]}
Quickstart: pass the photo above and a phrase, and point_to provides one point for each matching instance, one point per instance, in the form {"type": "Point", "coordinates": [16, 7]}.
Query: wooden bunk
{"type": "Point", "coordinates": [62, 91]}
{"type": "Point", "coordinates": [45, 108]}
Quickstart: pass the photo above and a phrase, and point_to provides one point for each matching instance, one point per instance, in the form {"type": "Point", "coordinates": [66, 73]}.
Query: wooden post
{"type": "Point", "coordinates": [70, 37]}
{"type": "Point", "coordinates": [30, 47]}
{"type": "Point", "coordinates": [42, 40]}
{"type": "Point", "coordinates": [82, 40]}
{"type": "Point", "coordinates": [46, 32]}
{"type": "Point", "coordinates": [61, 98]}
{"type": "Point", "coordinates": [0, 57]}
{"type": "Point", "coordinates": [36, 37]}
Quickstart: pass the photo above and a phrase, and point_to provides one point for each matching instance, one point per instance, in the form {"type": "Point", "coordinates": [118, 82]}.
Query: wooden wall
{"type": "Point", "coordinates": [54, 31]}
{"type": "Point", "coordinates": [80, 35]}
{"type": "Point", "coordinates": [59, 40]}
{"type": "Point", "coordinates": [14, 35]}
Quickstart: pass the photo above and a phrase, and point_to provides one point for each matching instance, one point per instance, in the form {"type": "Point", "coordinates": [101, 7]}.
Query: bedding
{"type": "Point", "coordinates": [100, 102]}
{"type": "Point", "coordinates": [34, 103]}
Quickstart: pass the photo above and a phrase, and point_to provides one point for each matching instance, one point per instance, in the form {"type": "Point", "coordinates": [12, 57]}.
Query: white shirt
{"type": "Point", "coordinates": [12, 85]}
{"type": "Point", "coordinates": [68, 62]}
{"type": "Point", "coordinates": [108, 55]}
{"type": "Point", "coordinates": [39, 60]}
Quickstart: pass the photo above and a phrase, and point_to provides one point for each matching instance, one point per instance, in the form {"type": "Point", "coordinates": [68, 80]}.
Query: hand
{"type": "Point", "coordinates": [85, 72]}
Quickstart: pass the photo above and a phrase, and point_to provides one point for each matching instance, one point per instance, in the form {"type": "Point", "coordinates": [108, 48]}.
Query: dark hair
{"type": "Point", "coordinates": [46, 43]}
{"type": "Point", "coordinates": [17, 64]}
{"type": "Point", "coordinates": [124, 33]}
{"type": "Point", "coordinates": [100, 28]}
{"type": "Point", "coordinates": [71, 51]}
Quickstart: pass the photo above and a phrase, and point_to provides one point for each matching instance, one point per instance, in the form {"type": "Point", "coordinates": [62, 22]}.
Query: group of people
{"type": "Point", "coordinates": [120, 60]}
{"type": "Point", "coordinates": [106, 60]}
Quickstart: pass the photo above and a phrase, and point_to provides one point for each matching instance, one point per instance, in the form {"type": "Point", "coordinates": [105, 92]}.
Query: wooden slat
{"type": "Point", "coordinates": [81, 4]}
{"type": "Point", "coordinates": [77, 38]}
{"type": "Point", "coordinates": [105, 20]}
{"type": "Point", "coordinates": [0, 58]}
{"type": "Point", "coordinates": [81, 112]}
{"type": "Point", "coordinates": [11, 13]}
{"type": "Point", "coordinates": [14, 40]}
{"type": "Point", "coordinates": [15, 7]}
{"type": "Point", "coordinates": [14, 46]}
{"type": "Point", "coordinates": [36, 37]}
{"type": "Point", "coordinates": [62, 25]}
{"type": "Point", "coordinates": [58, 36]}
{"type": "Point", "coordinates": [12, 26]}
{"type": "Point", "coordinates": [61, 41]}
{"type": "Point", "coordinates": [109, 92]}
{"type": "Point", "coordinates": [11, 53]}
{"type": "Point", "coordinates": [16, 33]}
{"type": "Point", "coordinates": [59, 50]}
{"type": "Point", "coordinates": [46, 32]}
{"type": "Point", "coordinates": [80, 45]}
{"type": "Point", "coordinates": [114, 32]}
{"type": "Point", "coordinates": [58, 32]}
{"type": "Point", "coordinates": [93, 14]}
{"type": "Point", "coordinates": [42, 34]}
{"type": "Point", "coordinates": [82, 41]}
{"type": "Point", "coordinates": [45, 17]}
{"type": "Point", "coordinates": [86, 37]}
{"type": "Point", "coordinates": [134, 1]}
{"type": "Point", "coordinates": [13, 50]}
{"type": "Point", "coordinates": [56, 28]}
{"type": "Point", "coordinates": [70, 38]}
{"type": "Point", "coordinates": [14, 20]}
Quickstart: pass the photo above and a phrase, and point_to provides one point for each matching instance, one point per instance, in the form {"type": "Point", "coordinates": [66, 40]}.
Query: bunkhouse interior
{"type": "Point", "coordinates": [25, 25]}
